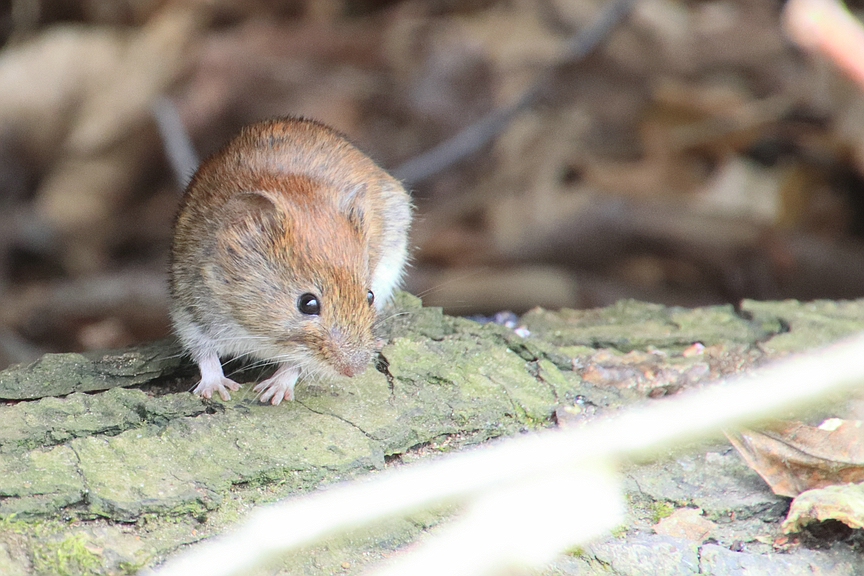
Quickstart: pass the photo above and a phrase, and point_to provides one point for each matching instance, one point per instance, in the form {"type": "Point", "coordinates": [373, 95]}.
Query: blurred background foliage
{"type": "Point", "coordinates": [695, 157]}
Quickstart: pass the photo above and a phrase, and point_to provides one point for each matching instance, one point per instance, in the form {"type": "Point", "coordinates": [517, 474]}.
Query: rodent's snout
{"type": "Point", "coordinates": [354, 363]}
{"type": "Point", "coordinates": [347, 356]}
{"type": "Point", "coordinates": [354, 370]}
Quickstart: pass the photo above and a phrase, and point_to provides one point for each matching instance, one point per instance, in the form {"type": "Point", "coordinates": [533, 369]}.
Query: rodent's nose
{"type": "Point", "coordinates": [353, 369]}
{"type": "Point", "coordinates": [348, 357]}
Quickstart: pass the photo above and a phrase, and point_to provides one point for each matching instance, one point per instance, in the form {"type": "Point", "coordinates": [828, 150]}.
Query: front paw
{"type": "Point", "coordinates": [278, 387]}
{"type": "Point", "coordinates": [221, 385]}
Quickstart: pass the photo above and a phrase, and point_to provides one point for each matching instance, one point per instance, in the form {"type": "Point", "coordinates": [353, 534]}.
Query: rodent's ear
{"type": "Point", "coordinates": [251, 212]}
{"type": "Point", "coordinates": [353, 206]}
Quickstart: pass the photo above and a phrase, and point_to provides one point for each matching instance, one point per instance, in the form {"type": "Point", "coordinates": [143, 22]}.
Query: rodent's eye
{"type": "Point", "coordinates": [309, 304]}
{"type": "Point", "coordinates": [370, 297]}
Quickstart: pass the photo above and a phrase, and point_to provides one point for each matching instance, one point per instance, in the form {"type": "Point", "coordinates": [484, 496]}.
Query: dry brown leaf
{"type": "Point", "coordinates": [741, 188]}
{"type": "Point", "coordinates": [686, 38]}
{"type": "Point", "coordinates": [43, 80]}
{"type": "Point", "coordinates": [687, 523]}
{"type": "Point", "coordinates": [793, 457]}
{"type": "Point", "coordinates": [516, 41]}
{"type": "Point", "coordinates": [844, 503]}
{"type": "Point", "coordinates": [109, 134]}
{"type": "Point", "coordinates": [120, 98]}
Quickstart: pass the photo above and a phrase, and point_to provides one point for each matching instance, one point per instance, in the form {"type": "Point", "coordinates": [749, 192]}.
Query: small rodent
{"type": "Point", "coordinates": [286, 243]}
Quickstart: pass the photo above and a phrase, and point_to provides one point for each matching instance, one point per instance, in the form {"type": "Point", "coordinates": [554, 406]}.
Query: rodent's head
{"type": "Point", "coordinates": [293, 272]}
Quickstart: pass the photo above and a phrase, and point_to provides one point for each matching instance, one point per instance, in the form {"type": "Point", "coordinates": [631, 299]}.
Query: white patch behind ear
{"type": "Point", "coordinates": [388, 275]}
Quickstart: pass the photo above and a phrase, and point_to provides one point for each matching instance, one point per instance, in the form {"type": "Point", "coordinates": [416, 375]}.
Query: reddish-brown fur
{"type": "Point", "coordinates": [286, 208]}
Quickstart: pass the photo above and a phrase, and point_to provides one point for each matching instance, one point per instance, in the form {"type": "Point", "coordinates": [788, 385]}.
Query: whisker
{"type": "Point", "coordinates": [462, 276]}
{"type": "Point", "coordinates": [381, 319]}
{"type": "Point", "coordinates": [180, 354]}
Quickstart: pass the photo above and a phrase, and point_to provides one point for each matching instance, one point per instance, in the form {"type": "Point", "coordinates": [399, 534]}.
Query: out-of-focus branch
{"type": "Point", "coordinates": [474, 137]}
{"type": "Point", "coordinates": [519, 468]}
{"type": "Point", "coordinates": [90, 296]}
{"type": "Point", "coordinates": [175, 139]}
{"type": "Point", "coordinates": [827, 27]}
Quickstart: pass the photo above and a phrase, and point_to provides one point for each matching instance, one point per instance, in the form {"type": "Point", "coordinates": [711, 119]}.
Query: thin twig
{"type": "Point", "coordinates": [474, 137]}
{"type": "Point", "coordinates": [175, 138]}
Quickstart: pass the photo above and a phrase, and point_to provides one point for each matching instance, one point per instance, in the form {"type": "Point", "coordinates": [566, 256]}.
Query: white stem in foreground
{"type": "Point", "coordinates": [564, 466]}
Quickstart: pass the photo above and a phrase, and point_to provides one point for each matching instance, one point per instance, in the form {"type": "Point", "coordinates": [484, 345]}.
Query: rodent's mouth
{"type": "Point", "coordinates": [325, 354]}
{"type": "Point", "coordinates": [346, 360]}
{"type": "Point", "coordinates": [352, 371]}
{"type": "Point", "coordinates": [349, 363]}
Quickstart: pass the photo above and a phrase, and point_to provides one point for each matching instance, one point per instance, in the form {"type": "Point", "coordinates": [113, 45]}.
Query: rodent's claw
{"type": "Point", "coordinates": [278, 387]}
{"type": "Point", "coordinates": [275, 396]}
{"type": "Point", "coordinates": [205, 388]}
